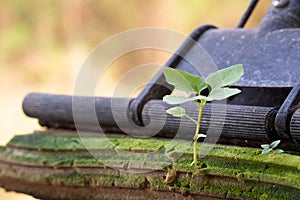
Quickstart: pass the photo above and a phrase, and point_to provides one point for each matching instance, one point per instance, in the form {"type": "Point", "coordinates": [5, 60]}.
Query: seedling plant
{"type": "Point", "coordinates": [270, 148]}
{"type": "Point", "coordinates": [217, 84]}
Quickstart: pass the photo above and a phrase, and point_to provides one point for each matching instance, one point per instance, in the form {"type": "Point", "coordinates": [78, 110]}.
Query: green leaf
{"type": "Point", "coordinates": [264, 146]}
{"type": "Point", "coordinates": [225, 76]}
{"type": "Point", "coordinates": [184, 81]}
{"type": "Point", "coordinates": [267, 150]}
{"type": "Point", "coordinates": [223, 93]}
{"type": "Point", "coordinates": [179, 99]}
{"type": "Point", "coordinates": [278, 151]}
{"type": "Point", "coordinates": [177, 111]}
{"type": "Point", "coordinates": [275, 143]}
{"type": "Point", "coordinates": [200, 97]}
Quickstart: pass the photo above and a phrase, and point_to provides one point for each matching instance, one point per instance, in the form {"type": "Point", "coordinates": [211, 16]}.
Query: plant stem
{"type": "Point", "coordinates": [202, 103]}
{"type": "Point", "coordinates": [190, 118]}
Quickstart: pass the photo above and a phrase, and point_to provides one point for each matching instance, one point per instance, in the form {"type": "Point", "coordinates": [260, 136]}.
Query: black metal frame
{"type": "Point", "coordinates": [287, 16]}
{"type": "Point", "coordinates": [284, 114]}
{"type": "Point", "coordinates": [159, 87]}
{"type": "Point", "coordinates": [273, 110]}
{"type": "Point", "coordinates": [247, 14]}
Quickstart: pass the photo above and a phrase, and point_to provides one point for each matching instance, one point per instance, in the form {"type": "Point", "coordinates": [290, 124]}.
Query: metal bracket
{"type": "Point", "coordinates": [278, 29]}
{"type": "Point", "coordinates": [247, 14]}
{"type": "Point", "coordinates": [283, 116]}
{"type": "Point", "coordinates": [158, 87]}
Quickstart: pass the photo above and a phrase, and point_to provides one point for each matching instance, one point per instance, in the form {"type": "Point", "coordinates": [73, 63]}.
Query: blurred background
{"type": "Point", "coordinates": [43, 44]}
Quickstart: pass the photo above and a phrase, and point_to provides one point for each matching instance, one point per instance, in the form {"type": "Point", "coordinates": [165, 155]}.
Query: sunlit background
{"type": "Point", "coordinates": [44, 42]}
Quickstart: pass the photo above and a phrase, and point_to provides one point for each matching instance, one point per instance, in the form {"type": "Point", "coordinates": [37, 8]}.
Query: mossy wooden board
{"type": "Point", "coordinates": [40, 163]}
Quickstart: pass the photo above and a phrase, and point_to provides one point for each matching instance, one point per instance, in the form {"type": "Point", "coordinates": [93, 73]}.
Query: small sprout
{"type": "Point", "coordinates": [278, 151]}
{"type": "Point", "coordinates": [275, 144]}
{"type": "Point", "coordinates": [267, 148]}
{"type": "Point", "coordinates": [217, 82]}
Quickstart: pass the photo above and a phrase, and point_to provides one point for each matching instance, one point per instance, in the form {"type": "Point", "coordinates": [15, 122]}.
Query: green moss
{"type": "Point", "coordinates": [76, 179]}
{"type": "Point", "coordinates": [61, 143]}
{"type": "Point", "coordinates": [136, 144]}
{"type": "Point", "coordinates": [249, 190]}
{"type": "Point", "coordinates": [94, 180]}
{"type": "Point", "coordinates": [227, 171]}
{"type": "Point", "coordinates": [242, 171]}
{"type": "Point", "coordinates": [225, 188]}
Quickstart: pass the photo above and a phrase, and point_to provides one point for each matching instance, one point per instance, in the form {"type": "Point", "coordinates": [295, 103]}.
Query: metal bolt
{"type": "Point", "coordinates": [280, 3]}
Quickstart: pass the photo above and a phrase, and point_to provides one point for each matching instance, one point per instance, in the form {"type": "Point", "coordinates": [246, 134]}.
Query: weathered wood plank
{"type": "Point", "coordinates": [56, 166]}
